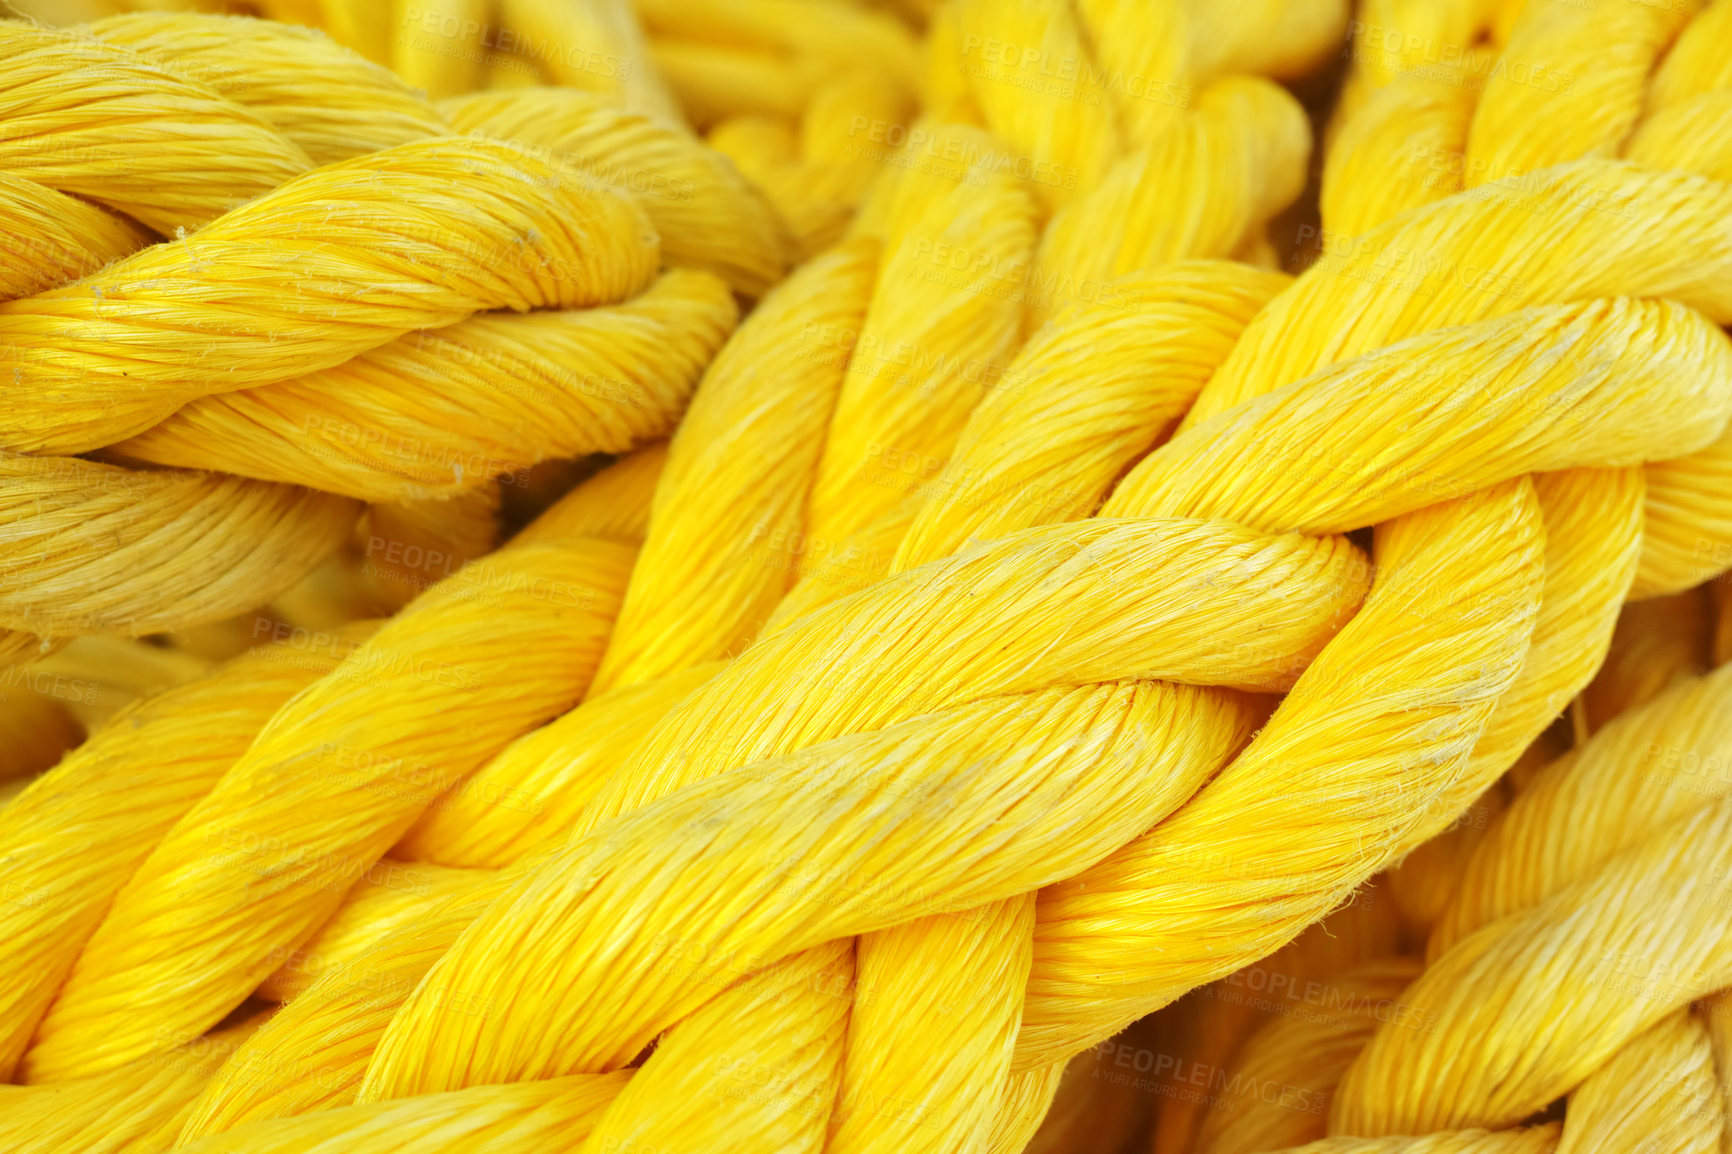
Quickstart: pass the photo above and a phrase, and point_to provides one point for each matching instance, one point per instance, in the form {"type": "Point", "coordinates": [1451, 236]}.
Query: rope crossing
{"type": "Point", "coordinates": [844, 577]}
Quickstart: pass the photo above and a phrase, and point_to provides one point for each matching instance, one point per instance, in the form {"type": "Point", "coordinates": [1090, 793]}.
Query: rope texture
{"type": "Point", "coordinates": [1041, 613]}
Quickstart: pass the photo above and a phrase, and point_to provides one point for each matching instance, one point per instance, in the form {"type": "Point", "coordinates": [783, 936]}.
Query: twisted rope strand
{"type": "Point", "coordinates": [1391, 707]}
{"type": "Point", "coordinates": [1090, 393]}
{"type": "Point", "coordinates": [265, 875]}
{"type": "Point", "coordinates": [114, 125]}
{"type": "Point", "coordinates": [443, 410]}
{"type": "Point", "coordinates": [51, 238]}
{"type": "Point", "coordinates": [531, 1114]}
{"type": "Point", "coordinates": [708, 215]}
{"type": "Point", "coordinates": [710, 571]}
{"type": "Point", "coordinates": [1622, 949]}
{"type": "Point", "coordinates": [905, 741]}
{"type": "Point", "coordinates": [1302, 1058]}
{"type": "Point", "coordinates": [546, 237]}
{"type": "Point", "coordinates": [138, 1106]}
{"type": "Point", "coordinates": [356, 108]}
{"type": "Point", "coordinates": [1532, 1140]}
{"type": "Point", "coordinates": [92, 547]}
{"type": "Point", "coordinates": [1661, 1089]}
{"type": "Point", "coordinates": [1302, 586]}
{"type": "Point", "coordinates": [1643, 770]}
{"type": "Point", "coordinates": [75, 837]}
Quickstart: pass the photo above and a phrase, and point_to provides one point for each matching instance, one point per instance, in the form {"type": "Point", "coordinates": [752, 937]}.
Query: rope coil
{"type": "Point", "coordinates": [1041, 610]}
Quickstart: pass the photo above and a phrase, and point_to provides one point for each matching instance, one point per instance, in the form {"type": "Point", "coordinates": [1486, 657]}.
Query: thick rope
{"type": "Point", "coordinates": [924, 744]}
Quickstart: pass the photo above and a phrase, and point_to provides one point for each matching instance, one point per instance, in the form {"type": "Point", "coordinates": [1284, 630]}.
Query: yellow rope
{"type": "Point", "coordinates": [80, 832]}
{"type": "Point", "coordinates": [440, 411]}
{"type": "Point", "coordinates": [533, 1114]}
{"type": "Point", "coordinates": [1283, 1078]}
{"type": "Point", "coordinates": [1623, 948]}
{"type": "Point", "coordinates": [358, 108]}
{"type": "Point", "coordinates": [1016, 620]}
{"type": "Point", "coordinates": [548, 239]}
{"type": "Point", "coordinates": [138, 1106]}
{"type": "Point", "coordinates": [1661, 1088]}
